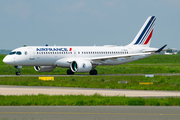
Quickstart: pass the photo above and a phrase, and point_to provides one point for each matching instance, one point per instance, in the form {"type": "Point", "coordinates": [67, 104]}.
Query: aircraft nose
{"type": "Point", "coordinates": [8, 60]}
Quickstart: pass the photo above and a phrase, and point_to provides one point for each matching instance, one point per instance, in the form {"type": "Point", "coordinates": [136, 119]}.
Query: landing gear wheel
{"type": "Point", "coordinates": [18, 70]}
{"type": "Point", "coordinates": [70, 72]}
{"type": "Point", "coordinates": [18, 73]}
{"type": "Point", "coordinates": [93, 72]}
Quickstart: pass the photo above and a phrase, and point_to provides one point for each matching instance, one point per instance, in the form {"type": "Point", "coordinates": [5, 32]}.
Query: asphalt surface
{"type": "Point", "coordinates": [35, 90]}
{"type": "Point", "coordinates": [90, 112]}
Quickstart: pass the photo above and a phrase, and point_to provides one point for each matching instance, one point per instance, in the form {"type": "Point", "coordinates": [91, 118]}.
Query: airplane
{"type": "Point", "coordinates": [80, 59]}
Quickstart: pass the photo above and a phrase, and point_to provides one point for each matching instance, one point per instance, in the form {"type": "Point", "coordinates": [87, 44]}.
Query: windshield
{"type": "Point", "coordinates": [12, 53]}
{"type": "Point", "coordinates": [15, 52]}
{"type": "Point", "coordinates": [18, 53]}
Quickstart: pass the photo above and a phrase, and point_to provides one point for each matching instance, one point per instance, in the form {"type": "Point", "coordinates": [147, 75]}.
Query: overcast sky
{"type": "Point", "coordinates": [86, 22]}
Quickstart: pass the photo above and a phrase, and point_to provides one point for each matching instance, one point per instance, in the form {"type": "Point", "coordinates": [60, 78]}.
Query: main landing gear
{"type": "Point", "coordinates": [93, 72]}
{"type": "Point", "coordinates": [18, 70]}
{"type": "Point", "coordinates": [70, 72]}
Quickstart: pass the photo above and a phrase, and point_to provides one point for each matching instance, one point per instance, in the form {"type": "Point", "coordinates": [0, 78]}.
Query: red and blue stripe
{"type": "Point", "coordinates": [146, 34]}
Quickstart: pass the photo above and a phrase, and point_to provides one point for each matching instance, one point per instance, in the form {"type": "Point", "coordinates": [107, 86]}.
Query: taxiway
{"type": "Point", "coordinates": [35, 90]}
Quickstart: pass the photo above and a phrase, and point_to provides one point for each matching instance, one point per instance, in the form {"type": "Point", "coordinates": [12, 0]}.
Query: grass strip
{"type": "Point", "coordinates": [108, 82]}
{"type": "Point", "coordinates": [82, 100]}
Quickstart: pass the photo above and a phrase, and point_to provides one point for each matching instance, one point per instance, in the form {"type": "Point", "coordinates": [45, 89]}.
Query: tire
{"type": "Point", "coordinates": [69, 72]}
{"type": "Point", "coordinates": [93, 72]}
{"type": "Point", "coordinates": [18, 73]}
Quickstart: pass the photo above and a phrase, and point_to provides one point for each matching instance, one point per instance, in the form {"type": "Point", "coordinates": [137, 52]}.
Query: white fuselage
{"type": "Point", "coordinates": [61, 55]}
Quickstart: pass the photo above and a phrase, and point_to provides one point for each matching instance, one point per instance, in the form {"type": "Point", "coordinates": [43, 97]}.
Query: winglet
{"type": "Point", "coordinates": [160, 49]}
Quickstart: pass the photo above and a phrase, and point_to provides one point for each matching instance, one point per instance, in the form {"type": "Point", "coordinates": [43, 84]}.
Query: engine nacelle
{"type": "Point", "coordinates": [81, 66]}
{"type": "Point", "coordinates": [44, 68]}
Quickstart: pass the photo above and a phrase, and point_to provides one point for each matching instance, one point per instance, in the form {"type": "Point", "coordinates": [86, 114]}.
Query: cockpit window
{"type": "Point", "coordinates": [12, 53]}
{"type": "Point", "coordinates": [18, 53]}
{"type": "Point", "coordinates": [15, 52]}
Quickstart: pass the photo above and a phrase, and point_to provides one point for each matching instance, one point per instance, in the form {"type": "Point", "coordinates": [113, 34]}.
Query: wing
{"type": "Point", "coordinates": [128, 56]}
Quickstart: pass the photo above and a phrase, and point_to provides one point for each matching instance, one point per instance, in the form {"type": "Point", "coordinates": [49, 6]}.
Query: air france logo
{"type": "Point", "coordinates": [84, 65]}
{"type": "Point", "coordinates": [53, 49]}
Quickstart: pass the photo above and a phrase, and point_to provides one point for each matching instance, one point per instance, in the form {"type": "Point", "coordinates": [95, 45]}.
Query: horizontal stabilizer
{"type": "Point", "coordinates": [160, 49]}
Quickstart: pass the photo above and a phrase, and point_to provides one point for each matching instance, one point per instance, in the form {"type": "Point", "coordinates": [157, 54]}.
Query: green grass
{"type": "Point", "coordinates": [150, 65]}
{"type": "Point", "coordinates": [107, 82]}
{"type": "Point", "coordinates": [159, 59]}
{"type": "Point", "coordinates": [82, 100]}
{"type": "Point", "coordinates": [1, 60]}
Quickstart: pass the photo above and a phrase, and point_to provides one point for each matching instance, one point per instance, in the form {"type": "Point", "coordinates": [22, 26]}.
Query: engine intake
{"type": "Point", "coordinates": [44, 68]}
{"type": "Point", "coordinates": [81, 66]}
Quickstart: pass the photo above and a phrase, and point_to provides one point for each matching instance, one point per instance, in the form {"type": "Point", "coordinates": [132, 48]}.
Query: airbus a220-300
{"type": "Point", "coordinates": [84, 58]}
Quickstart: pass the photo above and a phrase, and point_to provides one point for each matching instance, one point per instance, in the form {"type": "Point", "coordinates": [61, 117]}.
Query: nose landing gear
{"type": "Point", "coordinates": [18, 70]}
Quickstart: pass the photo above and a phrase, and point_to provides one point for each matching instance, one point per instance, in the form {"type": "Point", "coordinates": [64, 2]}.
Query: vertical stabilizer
{"type": "Point", "coordinates": [143, 38]}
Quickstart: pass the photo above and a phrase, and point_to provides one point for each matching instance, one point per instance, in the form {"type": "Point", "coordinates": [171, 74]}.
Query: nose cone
{"type": "Point", "coordinates": [8, 60]}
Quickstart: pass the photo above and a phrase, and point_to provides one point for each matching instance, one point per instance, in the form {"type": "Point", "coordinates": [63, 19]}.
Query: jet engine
{"type": "Point", "coordinates": [44, 68]}
{"type": "Point", "coordinates": [81, 66]}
